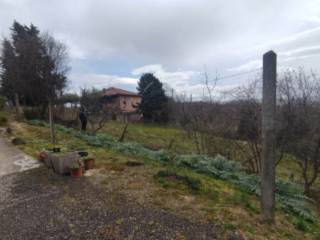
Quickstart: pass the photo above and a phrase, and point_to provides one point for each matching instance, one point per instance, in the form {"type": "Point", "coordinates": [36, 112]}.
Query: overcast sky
{"type": "Point", "coordinates": [111, 43]}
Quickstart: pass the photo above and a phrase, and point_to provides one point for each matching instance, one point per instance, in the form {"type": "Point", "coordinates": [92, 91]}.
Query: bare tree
{"type": "Point", "coordinates": [300, 111]}
{"type": "Point", "coordinates": [233, 128]}
{"type": "Point", "coordinates": [195, 116]}
{"type": "Point", "coordinates": [98, 114]}
{"type": "Point", "coordinates": [55, 67]}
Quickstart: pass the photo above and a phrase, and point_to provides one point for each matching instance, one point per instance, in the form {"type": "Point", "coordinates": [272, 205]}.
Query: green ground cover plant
{"type": "Point", "coordinates": [3, 119]}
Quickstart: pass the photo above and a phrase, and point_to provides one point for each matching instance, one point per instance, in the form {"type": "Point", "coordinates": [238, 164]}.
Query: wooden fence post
{"type": "Point", "coordinates": [51, 123]}
{"type": "Point", "coordinates": [268, 136]}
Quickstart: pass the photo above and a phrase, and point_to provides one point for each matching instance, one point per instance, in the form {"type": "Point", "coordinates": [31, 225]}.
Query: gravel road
{"type": "Point", "coordinates": [36, 203]}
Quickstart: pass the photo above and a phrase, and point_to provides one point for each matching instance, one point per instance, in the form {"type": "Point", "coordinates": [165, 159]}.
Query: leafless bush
{"type": "Point", "coordinates": [299, 105]}
{"type": "Point", "coordinates": [98, 115]}
{"type": "Point", "coordinates": [233, 128]}
{"type": "Point", "coordinates": [230, 128]}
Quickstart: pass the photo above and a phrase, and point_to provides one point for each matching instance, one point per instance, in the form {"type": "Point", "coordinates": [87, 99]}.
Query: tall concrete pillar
{"type": "Point", "coordinates": [268, 136]}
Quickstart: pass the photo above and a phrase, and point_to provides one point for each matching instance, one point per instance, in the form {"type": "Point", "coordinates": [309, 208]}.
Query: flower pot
{"type": "Point", "coordinates": [76, 172]}
{"type": "Point", "coordinates": [88, 163]}
{"type": "Point", "coordinates": [41, 156]}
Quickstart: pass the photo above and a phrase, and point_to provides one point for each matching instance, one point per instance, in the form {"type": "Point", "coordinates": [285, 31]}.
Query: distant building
{"type": "Point", "coordinates": [124, 101]}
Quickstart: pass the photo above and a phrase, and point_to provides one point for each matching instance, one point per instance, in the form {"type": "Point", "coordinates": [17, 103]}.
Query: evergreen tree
{"type": "Point", "coordinates": [8, 74]}
{"type": "Point", "coordinates": [34, 69]}
{"type": "Point", "coordinates": [153, 105]}
{"type": "Point", "coordinates": [28, 52]}
{"type": "Point", "coordinates": [33, 66]}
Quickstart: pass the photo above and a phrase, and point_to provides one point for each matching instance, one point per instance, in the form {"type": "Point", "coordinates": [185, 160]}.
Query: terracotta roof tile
{"type": "Point", "coordinates": [112, 91]}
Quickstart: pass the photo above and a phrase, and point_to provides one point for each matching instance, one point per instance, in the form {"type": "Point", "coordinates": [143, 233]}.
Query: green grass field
{"type": "Point", "coordinates": [159, 137]}
{"type": "Point", "coordinates": [153, 136]}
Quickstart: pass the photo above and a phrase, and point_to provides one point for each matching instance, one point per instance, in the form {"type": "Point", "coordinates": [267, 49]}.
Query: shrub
{"type": "Point", "coordinates": [301, 225]}
{"type": "Point", "coordinates": [3, 121]}
{"type": "Point", "coordinates": [18, 141]}
{"type": "Point", "coordinates": [32, 113]}
{"type": "Point", "coordinates": [2, 102]}
{"type": "Point", "coordinates": [191, 182]}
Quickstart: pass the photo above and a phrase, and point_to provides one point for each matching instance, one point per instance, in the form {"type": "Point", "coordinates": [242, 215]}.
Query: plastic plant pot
{"type": "Point", "coordinates": [76, 172]}
{"type": "Point", "coordinates": [88, 163]}
{"type": "Point", "coordinates": [41, 156]}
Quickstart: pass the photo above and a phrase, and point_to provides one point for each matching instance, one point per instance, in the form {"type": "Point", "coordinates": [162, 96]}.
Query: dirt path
{"type": "Point", "coordinates": [13, 160]}
{"type": "Point", "coordinates": [36, 203]}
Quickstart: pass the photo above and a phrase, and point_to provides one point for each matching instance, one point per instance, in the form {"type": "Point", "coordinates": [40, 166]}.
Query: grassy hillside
{"type": "Point", "coordinates": [176, 188]}
{"type": "Point", "coordinates": [160, 137]}
{"type": "Point", "coordinates": [153, 136]}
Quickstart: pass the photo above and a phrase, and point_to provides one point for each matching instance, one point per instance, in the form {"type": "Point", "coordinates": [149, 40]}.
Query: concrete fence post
{"type": "Point", "coordinates": [268, 136]}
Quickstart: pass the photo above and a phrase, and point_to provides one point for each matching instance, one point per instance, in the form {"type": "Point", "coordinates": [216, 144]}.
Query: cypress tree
{"type": "Point", "coordinates": [153, 105]}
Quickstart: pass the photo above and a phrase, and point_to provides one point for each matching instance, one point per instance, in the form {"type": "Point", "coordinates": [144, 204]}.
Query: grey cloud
{"type": "Point", "coordinates": [177, 34]}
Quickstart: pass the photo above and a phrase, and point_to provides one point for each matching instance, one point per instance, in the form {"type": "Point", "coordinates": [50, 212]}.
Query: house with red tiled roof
{"type": "Point", "coordinates": [125, 101]}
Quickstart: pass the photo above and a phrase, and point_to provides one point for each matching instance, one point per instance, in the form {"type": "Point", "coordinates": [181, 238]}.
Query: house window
{"type": "Point", "coordinates": [124, 102]}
